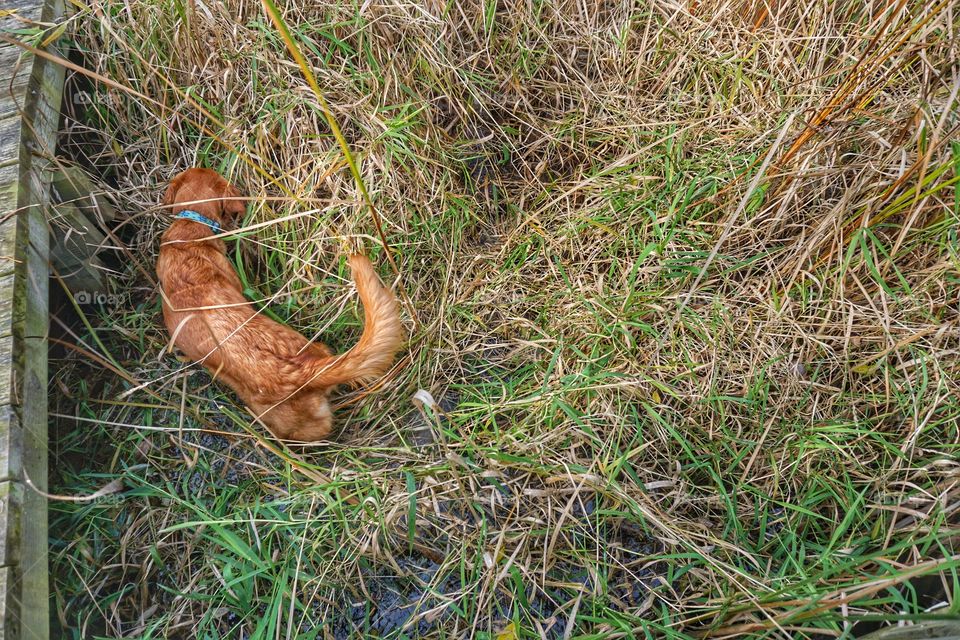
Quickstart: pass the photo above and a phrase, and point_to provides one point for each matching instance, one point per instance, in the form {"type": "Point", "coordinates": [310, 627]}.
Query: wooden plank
{"type": "Point", "coordinates": [10, 433]}
{"type": "Point", "coordinates": [11, 445]}
{"type": "Point", "coordinates": [43, 105]}
{"type": "Point", "coordinates": [9, 604]}
{"type": "Point", "coordinates": [8, 312]}
{"type": "Point", "coordinates": [11, 502]}
{"type": "Point", "coordinates": [10, 129]}
{"type": "Point", "coordinates": [32, 384]}
{"type": "Point", "coordinates": [12, 94]}
{"type": "Point", "coordinates": [12, 99]}
{"type": "Point", "coordinates": [19, 14]}
{"type": "Point", "coordinates": [14, 79]}
{"type": "Point", "coordinates": [72, 186]}
{"type": "Point", "coordinates": [75, 241]}
{"type": "Point", "coordinates": [8, 220]}
{"type": "Point", "coordinates": [24, 253]}
{"type": "Point", "coordinates": [6, 365]}
{"type": "Point", "coordinates": [9, 180]}
{"type": "Point", "coordinates": [75, 238]}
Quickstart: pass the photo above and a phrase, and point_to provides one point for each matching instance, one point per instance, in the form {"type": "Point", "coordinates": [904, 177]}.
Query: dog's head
{"type": "Point", "coordinates": [206, 192]}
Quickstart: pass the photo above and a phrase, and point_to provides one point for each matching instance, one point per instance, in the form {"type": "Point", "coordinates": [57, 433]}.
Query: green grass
{"type": "Point", "coordinates": [668, 407]}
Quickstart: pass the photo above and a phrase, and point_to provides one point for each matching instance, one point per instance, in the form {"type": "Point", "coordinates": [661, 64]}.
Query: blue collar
{"type": "Point", "coordinates": [187, 214]}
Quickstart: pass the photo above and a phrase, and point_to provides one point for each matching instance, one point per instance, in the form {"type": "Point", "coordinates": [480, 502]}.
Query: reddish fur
{"type": "Point", "coordinates": [284, 379]}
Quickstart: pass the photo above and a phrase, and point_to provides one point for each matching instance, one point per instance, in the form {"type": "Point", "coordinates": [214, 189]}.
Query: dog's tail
{"type": "Point", "coordinates": [382, 334]}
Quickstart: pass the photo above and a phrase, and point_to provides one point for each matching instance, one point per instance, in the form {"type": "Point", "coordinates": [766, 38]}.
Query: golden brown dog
{"type": "Point", "coordinates": [284, 378]}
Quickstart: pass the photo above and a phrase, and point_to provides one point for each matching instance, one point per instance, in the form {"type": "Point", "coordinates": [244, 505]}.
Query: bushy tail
{"type": "Point", "coordinates": [382, 335]}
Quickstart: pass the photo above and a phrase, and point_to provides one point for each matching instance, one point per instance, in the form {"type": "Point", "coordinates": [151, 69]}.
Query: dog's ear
{"type": "Point", "coordinates": [169, 197]}
{"type": "Point", "coordinates": [234, 204]}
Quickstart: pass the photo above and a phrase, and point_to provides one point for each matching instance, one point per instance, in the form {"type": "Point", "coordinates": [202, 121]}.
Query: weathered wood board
{"type": "Point", "coordinates": [30, 94]}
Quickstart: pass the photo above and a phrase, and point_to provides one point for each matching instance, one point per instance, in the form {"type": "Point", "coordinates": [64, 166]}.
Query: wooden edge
{"type": "Point", "coordinates": [30, 95]}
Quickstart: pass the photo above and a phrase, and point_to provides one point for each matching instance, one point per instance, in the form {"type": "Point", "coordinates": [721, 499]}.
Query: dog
{"type": "Point", "coordinates": [285, 379]}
